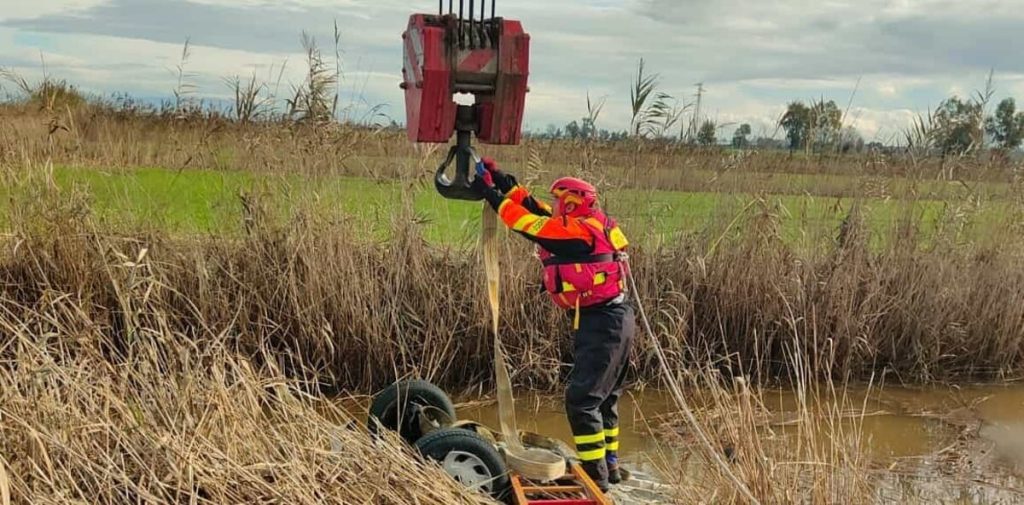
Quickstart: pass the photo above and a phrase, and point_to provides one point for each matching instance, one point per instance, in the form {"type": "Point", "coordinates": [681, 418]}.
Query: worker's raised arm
{"type": "Point", "coordinates": [507, 184]}
{"type": "Point", "coordinates": [520, 195]}
{"type": "Point", "coordinates": [562, 236]}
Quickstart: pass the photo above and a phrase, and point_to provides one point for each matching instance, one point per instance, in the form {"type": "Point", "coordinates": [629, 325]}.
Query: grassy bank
{"type": "Point", "coordinates": [213, 202]}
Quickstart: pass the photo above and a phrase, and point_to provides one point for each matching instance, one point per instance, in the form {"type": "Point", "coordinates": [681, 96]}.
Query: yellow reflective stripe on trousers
{"type": "Point", "coordinates": [612, 446]}
{"type": "Point", "coordinates": [588, 439]}
{"type": "Point", "coordinates": [594, 455]}
{"type": "Point", "coordinates": [612, 432]}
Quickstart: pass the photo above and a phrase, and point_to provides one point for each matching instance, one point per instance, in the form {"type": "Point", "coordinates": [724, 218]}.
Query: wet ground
{"type": "Point", "coordinates": [937, 444]}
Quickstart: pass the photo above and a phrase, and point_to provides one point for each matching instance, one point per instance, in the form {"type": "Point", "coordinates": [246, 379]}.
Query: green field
{"type": "Point", "coordinates": [208, 201]}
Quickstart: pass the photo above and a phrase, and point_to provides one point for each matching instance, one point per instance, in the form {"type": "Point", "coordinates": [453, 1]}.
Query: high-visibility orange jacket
{"type": "Point", "coordinates": [572, 239]}
{"type": "Point", "coordinates": [532, 218]}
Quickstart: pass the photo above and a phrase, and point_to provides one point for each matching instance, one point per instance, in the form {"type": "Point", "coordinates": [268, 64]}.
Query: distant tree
{"type": "Point", "coordinates": [573, 130]}
{"type": "Point", "coordinates": [588, 129]}
{"type": "Point", "coordinates": [826, 122]}
{"type": "Point", "coordinates": [850, 140]}
{"type": "Point", "coordinates": [706, 134]}
{"type": "Point", "coordinates": [553, 132]}
{"type": "Point", "coordinates": [739, 138]}
{"type": "Point", "coordinates": [797, 122]}
{"type": "Point", "coordinates": [817, 126]}
{"type": "Point", "coordinates": [1006, 126]}
{"type": "Point", "coordinates": [957, 126]}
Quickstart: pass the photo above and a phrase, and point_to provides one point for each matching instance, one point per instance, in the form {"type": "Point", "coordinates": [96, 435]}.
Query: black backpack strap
{"type": "Point", "coordinates": [595, 258]}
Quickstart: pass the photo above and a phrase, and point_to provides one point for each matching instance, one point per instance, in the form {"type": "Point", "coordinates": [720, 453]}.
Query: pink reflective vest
{"type": "Point", "coordinates": [586, 281]}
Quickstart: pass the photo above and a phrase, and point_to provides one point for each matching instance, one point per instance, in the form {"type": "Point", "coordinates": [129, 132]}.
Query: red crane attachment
{"type": "Point", "coordinates": [451, 54]}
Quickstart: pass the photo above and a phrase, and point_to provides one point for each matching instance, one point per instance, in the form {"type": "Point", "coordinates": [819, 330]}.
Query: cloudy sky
{"type": "Point", "coordinates": [752, 55]}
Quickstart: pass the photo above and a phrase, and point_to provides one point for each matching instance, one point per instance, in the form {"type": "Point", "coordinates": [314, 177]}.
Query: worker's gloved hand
{"type": "Point", "coordinates": [483, 184]}
{"type": "Point", "coordinates": [503, 181]}
{"type": "Point", "coordinates": [485, 176]}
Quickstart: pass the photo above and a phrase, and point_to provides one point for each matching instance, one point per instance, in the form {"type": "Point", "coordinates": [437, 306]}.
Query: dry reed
{"type": "Point", "coordinates": [161, 368]}
{"type": "Point", "coordinates": [357, 315]}
{"type": "Point", "coordinates": [160, 416]}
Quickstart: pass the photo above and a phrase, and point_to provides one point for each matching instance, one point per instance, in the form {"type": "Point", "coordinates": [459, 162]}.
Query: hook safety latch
{"type": "Point", "coordinates": [461, 187]}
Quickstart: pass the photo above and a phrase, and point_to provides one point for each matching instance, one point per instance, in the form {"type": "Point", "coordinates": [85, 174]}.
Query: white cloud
{"type": "Point", "coordinates": [752, 56]}
{"type": "Point", "coordinates": [880, 125]}
{"type": "Point", "coordinates": [20, 9]}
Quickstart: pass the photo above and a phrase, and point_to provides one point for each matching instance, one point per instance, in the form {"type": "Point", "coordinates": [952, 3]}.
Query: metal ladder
{"type": "Point", "coordinates": [576, 488]}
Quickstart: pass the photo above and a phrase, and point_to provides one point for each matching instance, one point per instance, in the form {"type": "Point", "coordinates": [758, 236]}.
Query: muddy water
{"type": "Point", "coordinates": [940, 444]}
{"type": "Point", "coordinates": [640, 414]}
{"type": "Point", "coordinates": [900, 422]}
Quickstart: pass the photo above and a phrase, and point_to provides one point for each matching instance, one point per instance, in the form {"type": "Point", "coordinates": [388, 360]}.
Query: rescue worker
{"type": "Point", "coordinates": [579, 247]}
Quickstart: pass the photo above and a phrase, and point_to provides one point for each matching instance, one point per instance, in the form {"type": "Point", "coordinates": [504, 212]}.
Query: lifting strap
{"type": "Point", "coordinates": [535, 464]}
{"type": "Point", "coordinates": [506, 402]}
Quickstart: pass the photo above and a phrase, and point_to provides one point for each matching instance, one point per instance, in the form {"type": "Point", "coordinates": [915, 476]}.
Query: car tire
{"type": "Point", "coordinates": [398, 407]}
{"type": "Point", "coordinates": [469, 459]}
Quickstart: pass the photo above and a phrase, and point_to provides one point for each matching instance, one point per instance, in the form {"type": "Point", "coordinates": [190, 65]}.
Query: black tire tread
{"type": "Point", "coordinates": [419, 390]}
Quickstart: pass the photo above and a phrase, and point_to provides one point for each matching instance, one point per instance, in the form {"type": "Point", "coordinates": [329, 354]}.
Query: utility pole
{"type": "Point", "coordinates": [694, 127]}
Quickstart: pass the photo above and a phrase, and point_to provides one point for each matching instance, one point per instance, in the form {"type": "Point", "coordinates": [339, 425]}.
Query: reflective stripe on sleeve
{"type": "Point", "coordinates": [525, 221]}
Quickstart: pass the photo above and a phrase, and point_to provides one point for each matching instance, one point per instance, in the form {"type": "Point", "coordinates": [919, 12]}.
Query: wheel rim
{"type": "Point", "coordinates": [469, 470]}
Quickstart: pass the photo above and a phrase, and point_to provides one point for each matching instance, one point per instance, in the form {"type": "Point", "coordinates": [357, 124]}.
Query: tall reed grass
{"type": "Point", "coordinates": [306, 295]}
{"type": "Point", "coordinates": [127, 134]}
{"type": "Point", "coordinates": [130, 408]}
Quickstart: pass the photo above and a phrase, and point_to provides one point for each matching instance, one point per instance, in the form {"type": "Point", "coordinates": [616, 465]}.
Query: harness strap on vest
{"type": "Point", "coordinates": [595, 258]}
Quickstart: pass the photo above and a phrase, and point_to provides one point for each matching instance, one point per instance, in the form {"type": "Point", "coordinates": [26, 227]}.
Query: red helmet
{"type": "Point", "coordinates": [575, 197]}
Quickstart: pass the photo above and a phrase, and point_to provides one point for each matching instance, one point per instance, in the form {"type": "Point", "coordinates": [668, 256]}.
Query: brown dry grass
{"type": "Point", "coordinates": [361, 314]}
{"type": "Point", "coordinates": [162, 368]}
{"type": "Point", "coordinates": [99, 409]}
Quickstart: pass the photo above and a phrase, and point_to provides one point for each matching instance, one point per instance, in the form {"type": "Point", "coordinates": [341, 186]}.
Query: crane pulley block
{"type": "Point", "coordinates": [446, 55]}
{"type": "Point", "coordinates": [451, 54]}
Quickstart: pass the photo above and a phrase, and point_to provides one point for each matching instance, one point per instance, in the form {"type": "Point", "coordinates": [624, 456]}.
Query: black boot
{"type": "Point", "coordinates": [598, 472]}
{"type": "Point", "coordinates": [617, 474]}
{"type": "Point", "coordinates": [614, 474]}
